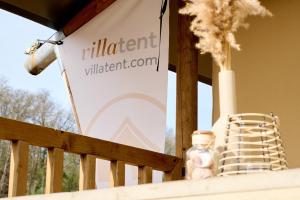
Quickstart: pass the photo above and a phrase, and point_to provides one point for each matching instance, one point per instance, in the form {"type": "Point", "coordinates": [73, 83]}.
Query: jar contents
{"type": "Point", "coordinates": [200, 162]}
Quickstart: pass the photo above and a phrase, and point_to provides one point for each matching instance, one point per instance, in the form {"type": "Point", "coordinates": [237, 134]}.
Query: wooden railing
{"type": "Point", "coordinates": [57, 142]}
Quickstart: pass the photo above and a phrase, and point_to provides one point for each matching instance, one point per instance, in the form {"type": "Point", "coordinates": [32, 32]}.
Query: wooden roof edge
{"type": "Point", "coordinates": [86, 14]}
{"type": "Point", "coordinates": [26, 14]}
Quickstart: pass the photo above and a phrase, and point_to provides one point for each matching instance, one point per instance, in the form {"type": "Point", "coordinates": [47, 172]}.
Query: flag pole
{"type": "Point", "coordinates": [66, 80]}
{"type": "Point", "coordinates": [67, 84]}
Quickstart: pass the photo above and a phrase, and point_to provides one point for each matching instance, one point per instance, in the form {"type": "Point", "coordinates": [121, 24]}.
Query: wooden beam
{"type": "Point", "coordinates": [187, 80]}
{"type": "Point", "coordinates": [87, 172]}
{"type": "Point", "coordinates": [144, 175]}
{"type": "Point", "coordinates": [54, 171]}
{"type": "Point", "coordinates": [86, 14]}
{"type": "Point", "coordinates": [80, 144]}
{"type": "Point", "coordinates": [18, 169]}
{"type": "Point", "coordinates": [117, 173]}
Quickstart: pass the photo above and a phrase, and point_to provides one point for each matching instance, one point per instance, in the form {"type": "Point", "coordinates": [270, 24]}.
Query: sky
{"type": "Point", "coordinates": [17, 34]}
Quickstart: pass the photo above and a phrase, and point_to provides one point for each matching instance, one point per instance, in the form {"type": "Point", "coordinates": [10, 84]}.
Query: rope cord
{"type": "Point", "coordinates": [163, 9]}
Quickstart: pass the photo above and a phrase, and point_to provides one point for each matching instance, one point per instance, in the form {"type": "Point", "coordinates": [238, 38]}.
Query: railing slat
{"type": "Point", "coordinates": [117, 171]}
{"type": "Point", "coordinates": [144, 175]}
{"type": "Point", "coordinates": [87, 172]}
{"type": "Point", "coordinates": [54, 171]}
{"type": "Point", "coordinates": [18, 169]}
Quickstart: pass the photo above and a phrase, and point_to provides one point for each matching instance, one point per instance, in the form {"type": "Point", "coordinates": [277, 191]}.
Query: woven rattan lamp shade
{"type": "Point", "coordinates": [252, 144]}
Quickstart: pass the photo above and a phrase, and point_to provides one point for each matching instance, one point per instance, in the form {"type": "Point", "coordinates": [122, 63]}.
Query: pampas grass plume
{"type": "Point", "coordinates": [216, 21]}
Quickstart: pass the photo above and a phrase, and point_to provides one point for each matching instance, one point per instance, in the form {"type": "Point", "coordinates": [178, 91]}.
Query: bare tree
{"type": "Point", "coordinates": [37, 108]}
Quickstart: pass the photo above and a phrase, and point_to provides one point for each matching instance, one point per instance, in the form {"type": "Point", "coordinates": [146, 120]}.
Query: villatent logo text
{"type": "Point", "coordinates": [95, 69]}
{"type": "Point", "coordinates": [105, 47]}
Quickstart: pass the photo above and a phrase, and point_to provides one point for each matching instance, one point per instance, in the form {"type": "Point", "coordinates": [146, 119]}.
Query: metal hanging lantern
{"type": "Point", "coordinates": [252, 144]}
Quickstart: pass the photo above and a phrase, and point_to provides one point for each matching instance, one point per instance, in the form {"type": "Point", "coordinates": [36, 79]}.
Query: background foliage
{"type": "Point", "coordinates": [39, 108]}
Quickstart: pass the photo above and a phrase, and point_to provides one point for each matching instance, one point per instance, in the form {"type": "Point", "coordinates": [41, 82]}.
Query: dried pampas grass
{"type": "Point", "coordinates": [216, 21]}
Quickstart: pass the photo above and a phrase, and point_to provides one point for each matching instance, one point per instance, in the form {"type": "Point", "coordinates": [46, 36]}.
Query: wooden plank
{"type": "Point", "coordinates": [86, 14]}
{"type": "Point", "coordinates": [18, 169]}
{"type": "Point", "coordinates": [87, 172]}
{"type": "Point", "coordinates": [144, 175]}
{"type": "Point", "coordinates": [117, 173]}
{"type": "Point", "coordinates": [80, 144]}
{"type": "Point", "coordinates": [241, 187]}
{"type": "Point", "coordinates": [142, 193]}
{"type": "Point", "coordinates": [54, 171]}
{"type": "Point", "coordinates": [187, 75]}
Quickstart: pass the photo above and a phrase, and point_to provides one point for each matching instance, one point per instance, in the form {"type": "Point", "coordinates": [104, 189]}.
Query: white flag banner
{"type": "Point", "coordinates": [111, 65]}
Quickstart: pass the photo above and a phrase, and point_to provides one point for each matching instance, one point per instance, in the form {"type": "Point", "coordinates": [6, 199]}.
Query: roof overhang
{"type": "Point", "coordinates": [67, 16]}
{"type": "Point", "coordinates": [52, 13]}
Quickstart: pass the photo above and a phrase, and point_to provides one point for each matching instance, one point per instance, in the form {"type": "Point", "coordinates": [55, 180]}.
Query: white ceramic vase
{"type": "Point", "coordinates": [228, 105]}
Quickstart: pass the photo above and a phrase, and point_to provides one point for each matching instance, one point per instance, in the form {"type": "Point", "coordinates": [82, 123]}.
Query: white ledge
{"type": "Point", "coordinates": [282, 185]}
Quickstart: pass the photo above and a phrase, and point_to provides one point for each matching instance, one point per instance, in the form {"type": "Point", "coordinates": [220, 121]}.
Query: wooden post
{"type": "Point", "coordinates": [54, 172]}
{"type": "Point", "coordinates": [187, 72]}
{"type": "Point", "coordinates": [174, 174]}
{"type": "Point", "coordinates": [87, 172]}
{"type": "Point", "coordinates": [18, 169]}
{"type": "Point", "coordinates": [117, 172]}
{"type": "Point", "coordinates": [144, 175]}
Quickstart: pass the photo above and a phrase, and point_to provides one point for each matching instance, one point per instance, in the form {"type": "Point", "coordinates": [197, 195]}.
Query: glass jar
{"type": "Point", "coordinates": [200, 162]}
